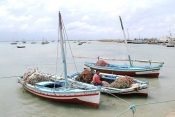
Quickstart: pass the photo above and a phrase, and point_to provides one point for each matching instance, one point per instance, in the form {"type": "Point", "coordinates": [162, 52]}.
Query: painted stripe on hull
{"type": "Point", "coordinates": [151, 74]}
{"type": "Point", "coordinates": [91, 99]}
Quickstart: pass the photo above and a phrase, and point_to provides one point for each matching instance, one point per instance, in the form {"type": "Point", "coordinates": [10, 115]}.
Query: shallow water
{"type": "Point", "coordinates": [16, 102]}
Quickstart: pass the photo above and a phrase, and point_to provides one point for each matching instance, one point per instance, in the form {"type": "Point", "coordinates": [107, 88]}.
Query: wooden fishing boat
{"type": "Point", "coordinates": [139, 88]}
{"type": "Point", "coordinates": [130, 70]}
{"type": "Point", "coordinates": [60, 89]}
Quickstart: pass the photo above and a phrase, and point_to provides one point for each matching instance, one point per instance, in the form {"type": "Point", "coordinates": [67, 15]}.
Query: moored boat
{"type": "Point", "coordinates": [58, 88]}
{"type": "Point", "coordinates": [136, 87]}
{"type": "Point", "coordinates": [130, 70]}
{"type": "Point", "coordinates": [21, 46]}
{"type": "Point", "coordinates": [45, 86]}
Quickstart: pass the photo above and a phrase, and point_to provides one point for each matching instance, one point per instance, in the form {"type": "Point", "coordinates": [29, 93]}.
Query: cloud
{"type": "Point", "coordinates": [19, 19]}
{"type": "Point", "coordinates": [43, 20]}
{"type": "Point", "coordinates": [88, 18]}
{"type": "Point", "coordinates": [85, 17]}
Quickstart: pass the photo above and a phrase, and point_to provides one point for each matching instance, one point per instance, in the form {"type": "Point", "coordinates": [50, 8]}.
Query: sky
{"type": "Point", "coordinates": [86, 19]}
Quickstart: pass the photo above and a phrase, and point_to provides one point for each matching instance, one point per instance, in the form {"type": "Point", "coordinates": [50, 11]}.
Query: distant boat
{"type": "Point", "coordinates": [80, 43]}
{"type": "Point", "coordinates": [44, 42]}
{"type": "Point", "coordinates": [24, 41]}
{"type": "Point", "coordinates": [169, 45]}
{"type": "Point", "coordinates": [153, 42]}
{"type": "Point", "coordinates": [21, 46]}
{"type": "Point", "coordinates": [129, 41]}
{"type": "Point", "coordinates": [14, 42]}
{"type": "Point", "coordinates": [33, 42]}
{"type": "Point", "coordinates": [139, 41]}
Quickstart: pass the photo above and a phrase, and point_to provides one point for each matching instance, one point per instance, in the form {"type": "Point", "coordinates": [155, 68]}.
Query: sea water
{"type": "Point", "coordinates": [17, 102]}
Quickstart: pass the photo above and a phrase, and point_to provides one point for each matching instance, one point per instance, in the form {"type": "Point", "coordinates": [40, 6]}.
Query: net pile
{"type": "Point", "coordinates": [86, 76]}
{"type": "Point", "coordinates": [34, 76]}
{"type": "Point", "coordinates": [121, 82]}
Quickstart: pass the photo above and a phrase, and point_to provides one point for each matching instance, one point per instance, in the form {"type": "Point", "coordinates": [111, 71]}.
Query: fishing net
{"type": "Point", "coordinates": [101, 63]}
{"type": "Point", "coordinates": [121, 82]}
{"type": "Point", "coordinates": [86, 76]}
{"type": "Point", "coordinates": [34, 76]}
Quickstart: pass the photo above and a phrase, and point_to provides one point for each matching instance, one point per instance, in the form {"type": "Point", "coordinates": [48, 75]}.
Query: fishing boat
{"type": "Point", "coordinates": [23, 41]}
{"type": "Point", "coordinates": [44, 41]}
{"type": "Point", "coordinates": [59, 88]}
{"type": "Point", "coordinates": [137, 88]}
{"type": "Point", "coordinates": [130, 69]}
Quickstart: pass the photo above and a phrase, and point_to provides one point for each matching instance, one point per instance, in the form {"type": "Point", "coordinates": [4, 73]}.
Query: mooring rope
{"type": "Point", "coordinates": [117, 97]}
{"type": "Point", "coordinates": [133, 107]}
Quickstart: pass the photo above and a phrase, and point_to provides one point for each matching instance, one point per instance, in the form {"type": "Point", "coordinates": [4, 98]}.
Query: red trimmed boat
{"type": "Point", "coordinates": [60, 89]}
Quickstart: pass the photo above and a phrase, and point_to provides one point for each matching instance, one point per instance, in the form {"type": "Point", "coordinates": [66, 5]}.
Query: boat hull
{"type": "Point", "coordinates": [136, 71]}
{"type": "Point", "coordinates": [88, 98]}
{"type": "Point", "coordinates": [139, 92]}
{"type": "Point", "coordinates": [149, 74]}
{"type": "Point", "coordinates": [20, 46]}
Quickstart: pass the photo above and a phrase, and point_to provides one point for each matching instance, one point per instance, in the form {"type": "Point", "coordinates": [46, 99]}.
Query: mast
{"type": "Point", "coordinates": [170, 35]}
{"type": "Point", "coordinates": [125, 41]}
{"type": "Point", "coordinates": [62, 49]}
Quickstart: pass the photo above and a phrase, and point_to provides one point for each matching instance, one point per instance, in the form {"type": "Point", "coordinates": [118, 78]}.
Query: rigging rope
{"type": "Point", "coordinates": [9, 77]}
{"type": "Point", "coordinates": [70, 49]}
{"type": "Point", "coordinates": [65, 35]}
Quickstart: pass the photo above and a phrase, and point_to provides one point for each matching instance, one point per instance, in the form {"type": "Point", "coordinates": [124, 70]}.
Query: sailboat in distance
{"type": "Point", "coordinates": [59, 88]}
{"type": "Point", "coordinates": [33, 42]}
{"type": "Point", "coordinates": [149, 70]}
